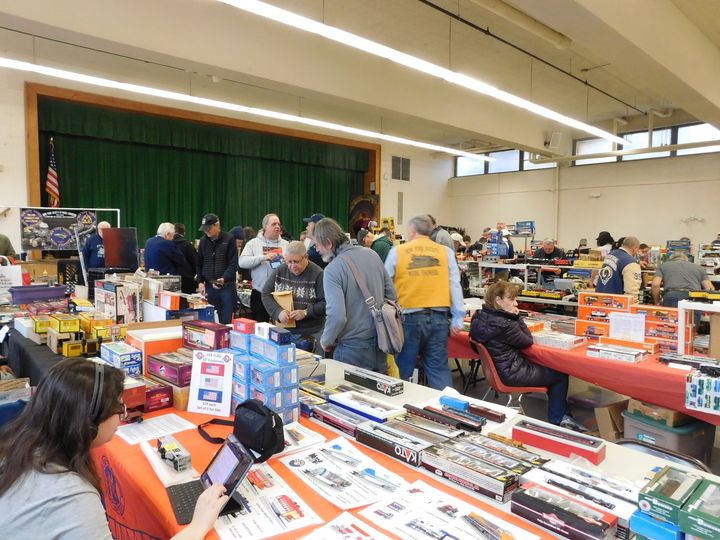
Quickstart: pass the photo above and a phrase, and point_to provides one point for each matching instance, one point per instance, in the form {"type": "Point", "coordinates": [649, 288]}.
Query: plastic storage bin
{"type": "Point", "coordinates": [694, 439]}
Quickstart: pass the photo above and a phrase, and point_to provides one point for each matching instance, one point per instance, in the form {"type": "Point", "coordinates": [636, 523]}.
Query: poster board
{"type": "Point", "coordinates": [54, 229]}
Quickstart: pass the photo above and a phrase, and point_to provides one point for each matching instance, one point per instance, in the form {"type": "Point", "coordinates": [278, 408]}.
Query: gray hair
{"type": "Point", "coordinates": [266, 219]}
{"type": "Point", "coordinates": [678, 256]}
{"type": "Point", "coordinates": [165, 228]}
{"type": "Point", "coordinates": [422, 224]}
{"type": "Point", "coordinates": [548, 241]}
{"type": "Point", "coordinates": [631, 242]}
{"type": "Point", "coordinates": [296, 248]}
{"type": "Point", "coordinates": [328, 230]}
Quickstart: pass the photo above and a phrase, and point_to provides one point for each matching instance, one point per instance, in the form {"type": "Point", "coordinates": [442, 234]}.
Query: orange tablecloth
{"type": "Point", "coordinates": [649, 380]}
{"type": "Point", "coordinates": [138, 506]}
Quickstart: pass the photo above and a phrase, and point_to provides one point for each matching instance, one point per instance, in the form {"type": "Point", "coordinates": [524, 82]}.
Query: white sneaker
{"type": "Point", "coordinates": [569, 423]}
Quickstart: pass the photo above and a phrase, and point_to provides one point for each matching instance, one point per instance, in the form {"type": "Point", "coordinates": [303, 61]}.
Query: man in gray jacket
{"type": "Point", "coordinates": [261, 256]}
{"type": "Point", "coordinates": [349, 327]}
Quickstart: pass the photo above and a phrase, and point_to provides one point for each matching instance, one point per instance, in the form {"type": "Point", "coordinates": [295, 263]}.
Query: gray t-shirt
{"type": "Point", "coordinates": [59, 506]}
{"type": "Point", "coordinates": [681, 275]}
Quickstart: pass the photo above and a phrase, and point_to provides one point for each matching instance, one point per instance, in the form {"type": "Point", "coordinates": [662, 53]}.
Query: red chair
{"type": "Point", "coordinates": [496, 384]}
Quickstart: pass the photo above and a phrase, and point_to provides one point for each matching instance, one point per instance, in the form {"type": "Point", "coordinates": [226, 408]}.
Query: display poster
{"type": "Point", "coordinates": [54, 229]}
{"type": "Point", "coordinates": [269, 507]}
{"type": "Point", "coordinates": [627, 326]}
{"type": "Point", "coordinates": [419, 511]}
{"type": "Point", "coordinates": [211, 383]}
{"type": "Point", "coordinates": [343, 475]}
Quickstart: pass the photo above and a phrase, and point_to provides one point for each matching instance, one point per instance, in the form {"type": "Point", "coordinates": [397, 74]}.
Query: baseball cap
{"type": "Point", "coordinates": [314, 218]}
{"type": "Point", "coordinates": [208, 221]}
{"type": "Point", "coordinates": [362, 233]}
{"type": "Point", "coordinates": [457, 237]}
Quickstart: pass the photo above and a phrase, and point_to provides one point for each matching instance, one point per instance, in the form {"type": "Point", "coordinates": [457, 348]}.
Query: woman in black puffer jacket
{"type": "Point", "coordinates": [499, 327]}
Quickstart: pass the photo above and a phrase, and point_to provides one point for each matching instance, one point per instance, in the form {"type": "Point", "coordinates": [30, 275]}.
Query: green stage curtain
{"type": "Point", "coordinates": [159, 169]}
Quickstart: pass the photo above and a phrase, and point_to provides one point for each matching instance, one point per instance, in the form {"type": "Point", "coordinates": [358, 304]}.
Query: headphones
{"type": "Point", "coordinates": [96, 400]}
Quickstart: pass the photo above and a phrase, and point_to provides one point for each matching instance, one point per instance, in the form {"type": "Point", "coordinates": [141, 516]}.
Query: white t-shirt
{"type": "Point", "coordinates": [59, 506]}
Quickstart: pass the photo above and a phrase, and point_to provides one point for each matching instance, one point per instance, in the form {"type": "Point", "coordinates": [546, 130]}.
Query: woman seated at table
{"type": "Point", "coordinates": [500, 328]}
{"type": "Point", "coordinates": [48, 485]}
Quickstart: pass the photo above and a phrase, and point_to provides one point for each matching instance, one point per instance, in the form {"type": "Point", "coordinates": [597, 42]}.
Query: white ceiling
{"type": "Point", "coordinates": [647, 53]}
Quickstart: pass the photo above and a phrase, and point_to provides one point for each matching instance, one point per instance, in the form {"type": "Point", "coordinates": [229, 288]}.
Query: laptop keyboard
{"type": "Point", "coordinates": [183, 498]}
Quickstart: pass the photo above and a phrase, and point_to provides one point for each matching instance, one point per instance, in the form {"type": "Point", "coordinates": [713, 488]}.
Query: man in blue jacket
{"type": "Point", "coordinates": [93, 251]}
{"type": "Point", "coordinates": [161, 253]}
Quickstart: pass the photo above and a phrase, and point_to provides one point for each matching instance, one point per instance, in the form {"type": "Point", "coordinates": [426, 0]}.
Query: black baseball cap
{"type": "Point", "coordinates": [314, 218]}
{"type": "Point", "coordinates": [208, 221]}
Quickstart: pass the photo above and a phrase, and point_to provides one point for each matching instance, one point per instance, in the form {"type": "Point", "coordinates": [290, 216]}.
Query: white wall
{"type": "Point", "coordinates": [427, 191]}
{"type": "Point", "coordinates": [646, 198]}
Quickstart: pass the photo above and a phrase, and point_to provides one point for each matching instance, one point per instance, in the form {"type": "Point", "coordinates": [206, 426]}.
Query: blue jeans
{"type": "Point", "coordinates": [224, 300]}
{"type": "Point", "coordinates": [671, 299]}
{"type": "Point", "coordinates": [363, 355]}
{"type": "Point", "coordinates": [557, 385]}
{"type": "Point", "coordinates": [426, 333]}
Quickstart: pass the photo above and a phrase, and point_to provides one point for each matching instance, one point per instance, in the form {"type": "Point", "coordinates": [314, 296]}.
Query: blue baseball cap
{"type": "Point", "coordinates": [314, 218]}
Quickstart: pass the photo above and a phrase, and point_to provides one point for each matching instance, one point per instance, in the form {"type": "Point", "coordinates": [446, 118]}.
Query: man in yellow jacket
{"type": "Point", "coordinates": [427, 280]}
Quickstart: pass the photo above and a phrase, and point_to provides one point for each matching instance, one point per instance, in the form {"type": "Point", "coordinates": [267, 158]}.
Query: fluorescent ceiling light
{"type": "Point", "coordinates": [177, 96]}
{"type": "Point", "coordinates": [341, 36]}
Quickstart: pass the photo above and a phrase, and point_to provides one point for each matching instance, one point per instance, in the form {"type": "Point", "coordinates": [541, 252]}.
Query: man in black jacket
{"type": "Point", "coordinates": [187, 270]}
{"type": "Point", "coordinates": [217, 264]}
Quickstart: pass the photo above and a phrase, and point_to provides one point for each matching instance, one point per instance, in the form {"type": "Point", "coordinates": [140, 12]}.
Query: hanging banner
{"type": "Point", "coordinates": [53, 229]}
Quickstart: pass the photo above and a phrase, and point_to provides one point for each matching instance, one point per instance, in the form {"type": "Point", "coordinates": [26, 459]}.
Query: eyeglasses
{"type": "Point", "coordinates": [299, 261]}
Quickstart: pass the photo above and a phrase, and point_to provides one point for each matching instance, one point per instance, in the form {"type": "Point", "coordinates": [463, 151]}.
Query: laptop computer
{"type": "Point", "coordinates": [229, 466]}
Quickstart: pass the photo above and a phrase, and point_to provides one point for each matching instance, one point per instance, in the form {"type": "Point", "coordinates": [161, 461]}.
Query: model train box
{"type": "Point", "coordinates": [240, 341]}
{"type": "Point", "coordinates": [55, 340]}
{"type": "Point", "coordinates": [266, 375]}
{"type": "Point", "coordinates": [367, 406]}
{"type": "Point", "coordinates": [659, 314]}
{"type": "Point", "coordinates": [663, 330]}
{"type": "Point", "coordinates": [171, 367]}
{"type": "Point", "coordinates": [667, 492]}
{"type": "Point", "coordinates": [591, 329]}
{"type": "Point", "coordinates": [275, 398]}
{"type": "Point", "coordinates": [181, 394]}
{"type": "Point", "coordinates": [594, 313]}
{"type": "Point", "coordinates": [559, 440]}
{"type": "Point", "coordinates": [64, 322]}
{"type": "Point", "coordinates": [374, 381]}
{"type": "Point", "coordinates": [88, 321]}
{"type": "Point", "coordinates": [615, 302]}
{"type": "Point", "coordinates": [158, 395]}
{"type": "Point", "coordinates": [281, 355]}
{"type": "Point", "coordinates": [701, 515]}
{"type": "Point", "coordinates": [122, 356]}
{"type": "Point", "coordinates": [205, 336]}
{"type": "Point", "coordinates": [470, 472]}
{"type": "Point", "coordinates": [562, 514]}
{"type": "Point", "coordinates": [392, 442]}
{"type": "Point", "coordinates": [650, 348]}
{"type": "Point", "coordinates": [244, 326]}
{"type": "Point", "coordinates": [41, 323]}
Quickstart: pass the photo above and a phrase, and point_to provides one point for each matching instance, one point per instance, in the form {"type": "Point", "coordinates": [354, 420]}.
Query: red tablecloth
{"type": "Point", "coordinates": [648, 380]}
{"type": "Point", "coordinates": [138, 506]}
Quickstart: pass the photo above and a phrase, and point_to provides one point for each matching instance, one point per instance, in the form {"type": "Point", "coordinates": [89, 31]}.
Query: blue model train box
{"type": "Point", "coordinates": [240, 341]}
{"type": "Point", "coordinates": [280, 336]}
{"type": "Point", "coordinates": [280, 355]}
{"type": "Point", "coordinates": [266, 375]}
{"type": "Point", "coordinates": [123, 356]}
{"type": "Point", "coordinates": [276, 398]}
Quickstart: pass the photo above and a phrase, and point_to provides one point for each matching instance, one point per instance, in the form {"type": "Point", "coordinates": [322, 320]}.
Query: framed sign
{"type": "Point", "coordinates": [53, 229]}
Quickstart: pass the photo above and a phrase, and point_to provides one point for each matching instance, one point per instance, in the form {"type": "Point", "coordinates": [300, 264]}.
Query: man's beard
{"type": "Point", "coordinates": [329, 256]}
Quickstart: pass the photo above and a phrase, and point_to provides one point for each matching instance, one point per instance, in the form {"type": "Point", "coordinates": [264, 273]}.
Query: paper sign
{"type": "Point", "coordinates": [627, 326]}
{"type": "Point", "coordinates": [211, 383]}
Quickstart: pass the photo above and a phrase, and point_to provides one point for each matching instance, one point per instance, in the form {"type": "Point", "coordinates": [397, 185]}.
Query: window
{"type": "Point", "coordinates": [593, 146]}
{"type": "Point", "coordinates": [697, 133]}
{"type": "Point", "coordinates": [468, 166]}
{"type": "Point", "coordinates": [661, 137]}
{"type": "Point", "coordinates": [529, 166]}
{"type": "Point", "coordinates": [400, 168]}
{"type": "Point", "coordinates": [505, 161]}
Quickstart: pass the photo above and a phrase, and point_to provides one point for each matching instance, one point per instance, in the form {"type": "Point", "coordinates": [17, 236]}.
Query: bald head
{"type": "Point", "coordinates": [631, 244]}
{"type": "Point", "coordinates": [101, 227]}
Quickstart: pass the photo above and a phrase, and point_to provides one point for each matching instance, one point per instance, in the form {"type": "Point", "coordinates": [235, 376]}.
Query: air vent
{"type": "Point", "coordinates": [401, 168]}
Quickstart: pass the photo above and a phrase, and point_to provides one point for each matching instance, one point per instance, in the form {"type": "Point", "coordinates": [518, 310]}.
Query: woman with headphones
{"type": "Point", "coordinates": [48, 485]}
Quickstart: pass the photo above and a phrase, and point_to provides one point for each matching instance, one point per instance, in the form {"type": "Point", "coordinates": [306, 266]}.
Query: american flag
{"type": "Point", "coordinates": [52, 183]}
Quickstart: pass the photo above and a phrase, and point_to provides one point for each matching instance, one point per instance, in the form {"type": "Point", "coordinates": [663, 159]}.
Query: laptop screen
{"type": "Point", "coordinates": [229, 466]}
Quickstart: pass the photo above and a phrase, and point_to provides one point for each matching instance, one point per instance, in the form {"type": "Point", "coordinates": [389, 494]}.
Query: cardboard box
{"type": "Point", "coordinates": [205, 336]}
{"type": "Point", "coordinates": [594, 313]}
{"type": "Point", "coordinates": [668, 491]}
{"type": "Point", "coordinates": [559, 440]}
{"type": "Point", "coordinates": [262, 329]}
{"type": "Point", "coordinates": [614, 302]}
{"type": "Point", "coordinates": [171, 367]}
{"type": "Point", "coordinates": [154, 341]}
{"type": "Point", "coordinates": [64, 322]}
{"type": "Point", "coordinates": [714, 349]}
{"type": "Point", "coordinates": [41, 323]}
{"type": "Point", "coordinates": [668, 331]}
{"type": "Point", "coordinates": [610, 420]}
{"type": "Point", "coordinates": [55, 340]}
{"type": "Point", "coordinates": [122, 356]}
{"type": "Point", "coordinates": [651, 348]}
{"type": "Point", "coordinates": [172, 300]}
{"type": "Point", "coordinates": [244, 326]}
{"type": "Point", "coordinates": [158, 395]}
{"type": "Point", "coordinates": [701, 516]}
{"type": "Point", "coordinates": [659, 314]}
{"type": "Point", "coordinates": [181, 395]}
{"type": "Point", "coordinates": [591, 329]}
{"type": "Point", "coordinates": [659, 414]}
{"type": "Point", "coordinates": [26, 327]}
{"type": "Point", "coordinates": [72, 348]}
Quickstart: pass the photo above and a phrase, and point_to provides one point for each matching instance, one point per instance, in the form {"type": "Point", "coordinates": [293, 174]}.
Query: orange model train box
{"type": "Point", "coordinates": [663, 345]}
{"type": "Point", "coordinates": [155, 340]}
{"type": "Point", "coordinates": [659, 314]}
{"type": "Point", "coordinates": [615, 302]}
{"type": "Point", "coordinates": [591, 329]}
{"type": "Point", "coordinates": [594, 313]}
{"type": "Point", "coordinates": [668, 331]}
